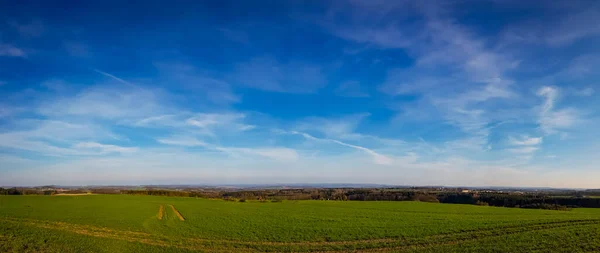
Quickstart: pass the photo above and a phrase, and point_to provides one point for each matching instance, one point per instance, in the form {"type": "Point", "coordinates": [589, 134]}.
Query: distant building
{"type": "Point", "coordinates": [466, 191]}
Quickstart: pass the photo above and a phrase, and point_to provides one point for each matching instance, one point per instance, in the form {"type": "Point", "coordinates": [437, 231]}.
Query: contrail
{"type": "Point", "coordinates": [111, 76]}
{"type": "Point", "coordinates": [378, 158]}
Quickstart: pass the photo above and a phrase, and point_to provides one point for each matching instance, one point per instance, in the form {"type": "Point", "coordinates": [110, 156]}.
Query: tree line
{"type": "Point", "coordinates": [543, 201]}
{"type": "Point", "coordinates": [540, 200]}
{"type": "Point", "coordinates": [537, 201]}
{"type": "Point", "coordinates": [10, 191]}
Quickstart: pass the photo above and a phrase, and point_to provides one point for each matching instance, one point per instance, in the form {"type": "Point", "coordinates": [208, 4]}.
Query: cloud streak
{"type": "Point", "coordinates": [271, 75]}
{"type": "Point", "coordinates": [552, 120]}
{"type": "Point", "coordinates": [526, 141]}
{"type": "Point", "coordinates": [111, 76]}
{"type": "Point", "coordinates": [377, 158]}
{"type": "Point", "coordinates": [11, 51]}
{"type": "Point", "coordinates": [411, 93]}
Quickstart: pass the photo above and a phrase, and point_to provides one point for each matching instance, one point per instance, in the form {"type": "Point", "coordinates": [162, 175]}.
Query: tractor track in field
{"type": "Point", "coordinates": [129, 236]}
{"type": "Point", "coordinates": [177, 213]}
{"type": "Point", "coordinates": [369, 245]}
{"type": "Point", "coordinates": [462, 237]}
{"type": "Point", "coordinates": [161, 212]}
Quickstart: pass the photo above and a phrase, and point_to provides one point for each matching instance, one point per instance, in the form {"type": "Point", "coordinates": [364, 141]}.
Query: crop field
{"type": "Point", "coordinates": [125, 223]}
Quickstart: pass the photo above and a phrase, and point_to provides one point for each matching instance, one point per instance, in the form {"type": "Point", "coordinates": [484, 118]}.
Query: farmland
{"type": "Point", "coordinates": [125, 223]}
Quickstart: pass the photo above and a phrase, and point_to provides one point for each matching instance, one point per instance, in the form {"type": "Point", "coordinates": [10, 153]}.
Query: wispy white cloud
{"type": "Point", "coordinates": [523, 150]}
{"type": "Point", "coordinates": [200, 85]}
{"type": "Point", "coordinates": [575, 27]}
{"type": "Point", "coordinates": [149, 166]}
{"type": "Point", "coordinates": [235, 35]}
{"type": "Point", "coordinates": [459, 74]}
{"type": "Point", "coordinates": [560, 119]}
{"type": "Point", "coordinates": [410, 81]}
{"type": "Point", "coordinates": [33, 29]}
{"type": "Point", "coordinates": [11, 51]}
{"type": "Point", "coordinates": [351, 89]}
{"type": "Point", "coordinates": [341, 127]}
{"type": "Point", "coordinates": [550, 95]}
{"type": "Point", "coordinates": [346, 128]}
{"type": "Point", "coordinates": [525, 141]}
{"type": "Point", "coordinates": [186, 141]}
{"type": "Point", "coordinates": [104, 148]}
{"type": "Point", "coordinates": [47, 149]}
{"type": "Point", "coordinates": [211, 122]}
{"type": "Point", "coordinates": [581, 67]}
{"type": "Point", "coordinates": [206, 124]}
{"type": "Point", "coordinates": [377, 158]}
{"type": "Point", "coordinates": [111, 76]}
{"type": "Point", "coordinates": [42, 148]}
{"type": "Point", "coordinates": [205, 120]}
{"type": "Point", "coordinates": [475, 142]}
{"type": "Point", "coordinates": [363, 23]}
{"type": "Point", "coordinates": [467, 110]}
{"type": "Point", "coordinates": [525, 146]}
{"type": "Point", "coordinates": [166, 120]}
{"type": "Point", "coordinates": [107, 102]}
{"type": "Point", "coordinates": [77, 49]}
{"type": "Point", "coordinates": [577, 72]}
{"type": "Point", "coordinates": [551, 120]}
{"type": "Point", "coordinates": [389, 37]}
{"type": "Point", "coordinates": [462, 89]}
{"type": "Point", "coordinates": [58, 138]}
{"type": "Point", "coordinates": [575, 23]}
{"type": "Point", "coordinates": [56, 130]}
{"type": "Point", "coordinates": [454, 45]}
{"type": "Point", "coordinates": [4, 112]}
{"type": "Point", "coordinates": [585, 92]}
{"type": "Point", "coordinates": [275, 153]}
{"type": "Point", "coordinates": [271, 75]}
{"type": "Point", "coordinates": [278, 153]}
{"type": "Point", "coordinates": [55, 85]}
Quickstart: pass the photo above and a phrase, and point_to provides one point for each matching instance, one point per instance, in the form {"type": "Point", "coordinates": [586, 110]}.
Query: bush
{"type": "Point", "coordinates": [242, 200]}
{"type": "Point", "coordinates": [481, 203]}
{"type": "Point", "coordinates": [425, 198]}
{"type": "Point", "coordinates": [546, 206]}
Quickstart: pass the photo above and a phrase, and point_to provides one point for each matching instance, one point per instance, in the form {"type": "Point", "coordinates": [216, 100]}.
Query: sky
{"type": "Point", "coordinates": [456, 93]}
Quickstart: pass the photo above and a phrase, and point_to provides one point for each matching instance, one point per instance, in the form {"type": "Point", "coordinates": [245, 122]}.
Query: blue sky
{"type": "Point", "coordinates": [468, 93]}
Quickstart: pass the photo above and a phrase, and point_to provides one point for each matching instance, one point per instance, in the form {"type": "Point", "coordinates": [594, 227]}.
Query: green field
{"type": "Point", "coordinates": [125, 223]}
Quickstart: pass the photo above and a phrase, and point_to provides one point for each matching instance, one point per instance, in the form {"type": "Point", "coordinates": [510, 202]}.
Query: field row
{"type": "Point", "coordinates": [375, 245]}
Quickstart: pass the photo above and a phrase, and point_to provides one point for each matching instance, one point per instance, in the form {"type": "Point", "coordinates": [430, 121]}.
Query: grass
{"type": "Point", "coordinates": [124, 223]}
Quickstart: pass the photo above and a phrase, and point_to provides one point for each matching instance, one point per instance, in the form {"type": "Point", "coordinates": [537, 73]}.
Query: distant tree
{"type": "Point", "coordinates": [10, 191]}
{"type": "Point", "coordinates": [425, 198]}
{"type": "Point", "coordinates": [481, 203]}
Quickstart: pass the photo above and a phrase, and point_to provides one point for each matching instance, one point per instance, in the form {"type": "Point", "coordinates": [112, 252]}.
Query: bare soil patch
{"type": "Point", "coordinates": [161, 212]}
{"type": "Point", "coordinates": [177, 213]}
